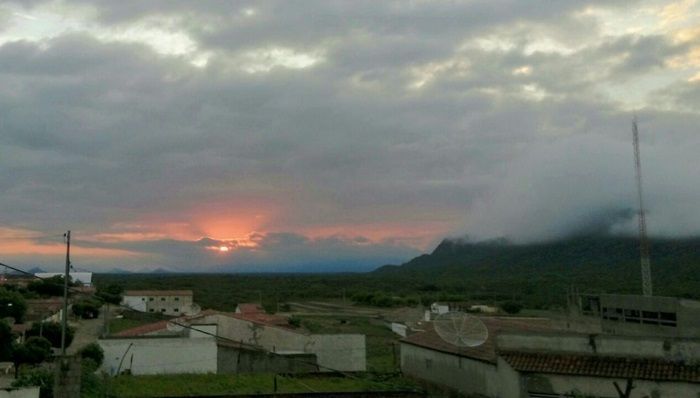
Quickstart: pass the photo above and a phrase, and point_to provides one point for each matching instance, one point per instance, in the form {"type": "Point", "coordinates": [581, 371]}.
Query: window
{"type": "Point", "coordinates": [176, 310]}
{"type": "Point", "coordinates": [143, 299]}
{"type": "Point", "coordinates": [632, 316]}
{"type": "Point", "coordinates": [162, 299]}
{"type": "Point", "coordinates": [151, 310]}
{"type": "Point", "coordinates": [428, 363]}
{"type": "Point", "coordinates": [150, 299]}
{"type": "Point", "coordinates": [177, 298]}
{"type": "Point", "coordinates": [162, 310]}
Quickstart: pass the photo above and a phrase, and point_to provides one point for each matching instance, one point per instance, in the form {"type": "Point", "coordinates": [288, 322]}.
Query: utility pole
{"type": "Point", "coordinates": [643, 239]}
{"type": "Point", "coordinates": [64, 317]}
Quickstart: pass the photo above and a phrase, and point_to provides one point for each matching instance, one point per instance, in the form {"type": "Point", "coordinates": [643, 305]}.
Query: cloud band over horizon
{"type": "Point", "coordinates": [333, 135]}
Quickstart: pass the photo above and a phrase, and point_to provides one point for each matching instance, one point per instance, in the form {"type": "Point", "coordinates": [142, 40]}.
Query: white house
{"type": "Point", "coordinates": [167, 302]}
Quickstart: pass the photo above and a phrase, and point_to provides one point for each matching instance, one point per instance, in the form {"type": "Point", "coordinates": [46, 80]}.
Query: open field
{"type": "Point", "coordinates": [212, 384]}
{"type": "Point", "coordinates": [382, 343]}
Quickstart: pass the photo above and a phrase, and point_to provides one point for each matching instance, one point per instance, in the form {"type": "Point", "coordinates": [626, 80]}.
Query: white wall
{"type": "Point", "coordinates": [662, 348]}
{"type": "Point", "coordinates": [466, 375]}
{"type": "Point", "coordinates": [160, 355]}
{"type": "Point", "coordinates": [135, 302]}
{"type": "Point", "coordinates": [25, 392]}
{"type": "Point", "coordinates": [400, 329]}
{"type": "Point", "coordinates": [604, 387]}
{"type": "Point", "coordinates": [346, 352]}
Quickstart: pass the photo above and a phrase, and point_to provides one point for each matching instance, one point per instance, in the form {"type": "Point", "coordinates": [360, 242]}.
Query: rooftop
{"type": "Point", "coordinates": [485, 352]}
{"type": "Point", "coordinates": [249, 308]}
{"type": "Point", "coordinates": [144, 329]}
{"type": "Point", "coordinates": [158, 293]}
{"type": "Point", "coordinates": [603, 366]}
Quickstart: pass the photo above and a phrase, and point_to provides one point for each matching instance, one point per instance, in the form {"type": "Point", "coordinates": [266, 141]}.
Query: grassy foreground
{"type": "Point", "coordinates": [219, 384]}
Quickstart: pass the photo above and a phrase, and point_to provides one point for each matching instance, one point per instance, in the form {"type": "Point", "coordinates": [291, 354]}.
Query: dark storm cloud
{"type": "Point", "coordinates": [407, 117]}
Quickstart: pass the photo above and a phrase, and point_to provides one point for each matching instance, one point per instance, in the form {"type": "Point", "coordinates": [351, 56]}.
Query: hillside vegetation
{"type": "Point", "coordinates": [536, 275]}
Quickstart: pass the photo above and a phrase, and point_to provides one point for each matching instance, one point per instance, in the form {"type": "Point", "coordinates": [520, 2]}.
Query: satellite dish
{"type": "Point", "coordinates": [460, 329]}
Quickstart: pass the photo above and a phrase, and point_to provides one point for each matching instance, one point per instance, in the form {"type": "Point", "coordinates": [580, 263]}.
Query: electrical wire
{"type": "Point", "coordinates": [219, 337]}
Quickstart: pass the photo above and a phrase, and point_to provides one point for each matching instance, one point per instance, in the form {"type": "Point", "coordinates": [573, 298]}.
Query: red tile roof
{"type": "Point", "coordinates": [143, 329]}
{"type": "Point", "coordinates": [485, 352]}
{"type": "Point", "coordinates": [265, 319]}
{"type": "Point", "coordinates": [158, 293]}
{"type": "Point", "coordinates": [603, 366]}
{"type": "Point", "coordinates": [248, 308]}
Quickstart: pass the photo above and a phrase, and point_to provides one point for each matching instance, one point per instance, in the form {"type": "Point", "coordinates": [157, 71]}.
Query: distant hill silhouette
{"type": "Point", "coordinates": [594, 263]}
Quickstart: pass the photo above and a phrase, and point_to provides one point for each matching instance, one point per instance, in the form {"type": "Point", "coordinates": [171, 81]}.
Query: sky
{"type": "Point", "coordinates": [322, 135]}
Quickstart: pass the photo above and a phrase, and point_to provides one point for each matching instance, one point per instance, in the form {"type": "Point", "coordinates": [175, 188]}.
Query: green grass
{"type": "Point", "coordinates": [213, 384]}
{"type": "Point", "coordinates": [379, 339]}
{"type": "Point", "coordinates": [119, 324]}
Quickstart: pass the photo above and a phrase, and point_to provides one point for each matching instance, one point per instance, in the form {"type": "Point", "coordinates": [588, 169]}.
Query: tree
{"type": "Point", "coordinates": [94, 352]}
{"type": "Point", "coordinates": [512, 307]}
{"type": "Point", "coordinates": [12, 304]}
{"type": "Point", "coordinates": [111, 293]}
{"type": "Point", "coordinates": [52, 332]}
{"type": "Point", "coordinates": [48, 287]}
{"type": "Point", "coordinates": [35, 350]}
{"type": "Point", "coordinates": [6, 338]}
{"type": "Point", "coordinates": [87, 308]}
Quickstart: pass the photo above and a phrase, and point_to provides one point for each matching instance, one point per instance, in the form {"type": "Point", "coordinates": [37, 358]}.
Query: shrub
{"type": "Point", "coordinates": [12, 304]}
{"type": "Point", "coordinates": [512, 307]}
{"type": "Point", "coordinates": [52, 332]}
{"type": "Point", "coordinates": [42, 378]}
{"type": "Point", "coordinates": [34, 350]}
{"type": "Point", "coordinates": [87, 309]}
{"type": "Point", "coordinates": [94, 352]}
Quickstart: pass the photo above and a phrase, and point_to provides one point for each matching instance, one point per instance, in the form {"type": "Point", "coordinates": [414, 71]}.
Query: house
{"type": "Point", "coordinates": [469, 370]}
{"type": "Point", "coordinates": [558, 363]}
{"type": "Point", "coordinates": [534, 357]}
{"type": "Point", "coordinates": [634, 315]}
{"type": "Point", "coordinates": [167, 302]}
{"type": "Point", "coordinates": [230, 343]}
{"type": "Point", "coordinates": [343, 352]}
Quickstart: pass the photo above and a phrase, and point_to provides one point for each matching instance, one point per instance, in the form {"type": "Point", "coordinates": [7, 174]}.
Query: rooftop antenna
{"type": "Point", "coordinates": [460, 329]}
{"type": "Point", "coordinates": [643, 240]}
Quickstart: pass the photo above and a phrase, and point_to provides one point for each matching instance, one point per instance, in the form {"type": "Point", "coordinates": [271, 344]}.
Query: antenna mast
{"type": "Point", "coordinates": [643, 240]}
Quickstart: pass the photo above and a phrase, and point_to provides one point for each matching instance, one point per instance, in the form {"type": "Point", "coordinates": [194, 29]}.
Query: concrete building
{"type": "Point", "coordinates": [159, 354]}
{"type": "Point", "coordinates": [558, 363]}
{"type": "Point", "coordinates": [344, 352]}
{"type": "Point", "coordinates": [633, 315]}
{"type": "Point", "coordinates": [167, 302]}
{"type": "Point", "coordinates": [251, 342]}
{"type": "Point", "coordinates": [473, 370]}
{"type": "Point", "coordinates": [527, 358]}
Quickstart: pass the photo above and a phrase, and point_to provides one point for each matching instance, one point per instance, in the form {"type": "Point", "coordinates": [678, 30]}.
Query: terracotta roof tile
{"type": "Point", "coordinates": [248, 308]}
{"type": "Point", "coordinates": [485, 352]}
{"type": "Point", "coordinates": [603, 366]}
{"type": "Point", "coordinates": [143, 329]}
{"type": "Point", "coordinates": [263, 319]}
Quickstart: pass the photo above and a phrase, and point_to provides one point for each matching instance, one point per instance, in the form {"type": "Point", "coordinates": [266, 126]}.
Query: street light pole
{"type": "Point", "coordinates": [64, 317]}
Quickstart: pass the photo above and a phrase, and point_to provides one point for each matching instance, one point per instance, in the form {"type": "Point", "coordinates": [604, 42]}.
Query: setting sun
{"type": "Point", "coordinates": [223, 249]}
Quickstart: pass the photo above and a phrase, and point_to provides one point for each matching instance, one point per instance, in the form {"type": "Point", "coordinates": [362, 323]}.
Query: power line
{"type": "Point", "coordinates": [237, 342]}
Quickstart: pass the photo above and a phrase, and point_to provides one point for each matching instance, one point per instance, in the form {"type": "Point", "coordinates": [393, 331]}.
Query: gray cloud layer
{"type": "Point", "coordinates": [454, 115]}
